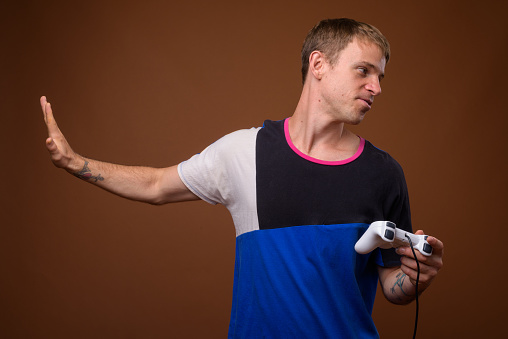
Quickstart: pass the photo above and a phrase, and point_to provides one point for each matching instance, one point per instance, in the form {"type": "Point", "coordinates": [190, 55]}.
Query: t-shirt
{"type": "Point", "coordinates": [297, 220]}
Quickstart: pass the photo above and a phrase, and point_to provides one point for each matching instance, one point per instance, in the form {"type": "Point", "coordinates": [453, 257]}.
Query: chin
{"type": "Point", "coordinates": [356, 121]}
{"type": "Point", "coordinates": [353, 123]}
{"type": "Point", "coordinates": [355, 117]}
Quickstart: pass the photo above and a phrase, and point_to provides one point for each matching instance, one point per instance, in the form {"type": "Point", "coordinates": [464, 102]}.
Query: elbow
{"type": "Point", "coordinates": [400, 301]}
{"type": "Point", "coordinates": [156, 201]}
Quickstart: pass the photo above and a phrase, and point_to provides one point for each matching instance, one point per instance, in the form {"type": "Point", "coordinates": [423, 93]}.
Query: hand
{"type": "Point", "coordinates": [429, 266]}
{"type": "Point", "coordinates": [61, 153]}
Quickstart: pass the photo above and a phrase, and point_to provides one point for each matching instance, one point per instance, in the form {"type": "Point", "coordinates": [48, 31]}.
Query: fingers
{"type": "Point", "coordinates": [406, 251]}
{"type": "Point", "coordinates": [410, 262]}
{"type": "Point", "coordinates": [434, 260]}
{"type": "Point", "coordinates": [61, 153]}
{"type": "Point", "coordinates": [437, 246]}
{"type": "Point", "coordinates": [43, 107]}
{"type": "Point", "coordinates": [48, 117]}
{"type": "Point", "coordinates": [427, 272]}
{"type": "Point", "coordinates": [43, 101]}
{"type": "Point", "coordinates": [429, 265]}
{"type": "Point", "coordinates": [410, 266]}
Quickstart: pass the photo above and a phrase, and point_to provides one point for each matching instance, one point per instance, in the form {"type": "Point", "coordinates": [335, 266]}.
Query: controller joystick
{"type": "Point", "coordinates": [385, 234]}
{"type": "Point", "coordinates": [419, 241]}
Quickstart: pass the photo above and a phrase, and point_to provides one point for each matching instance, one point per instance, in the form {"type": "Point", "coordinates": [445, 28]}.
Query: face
{"type": "Point", "coordinates": [349, 85]}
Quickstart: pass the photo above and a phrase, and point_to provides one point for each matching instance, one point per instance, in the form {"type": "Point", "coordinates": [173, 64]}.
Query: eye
{"type": "Point", "coordinates": [363, 70]}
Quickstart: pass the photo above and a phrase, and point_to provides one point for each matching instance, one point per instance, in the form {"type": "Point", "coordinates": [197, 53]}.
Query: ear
{"type": "Point", "coordinates": [317, 64]}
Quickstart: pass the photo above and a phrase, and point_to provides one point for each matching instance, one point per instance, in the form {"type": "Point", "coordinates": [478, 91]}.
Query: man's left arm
{"type": "Point", "coordinates": [399, 283]}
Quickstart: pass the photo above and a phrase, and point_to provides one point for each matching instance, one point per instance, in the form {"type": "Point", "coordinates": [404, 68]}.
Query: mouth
{"type": "Point", "coordinates": [367, 101]}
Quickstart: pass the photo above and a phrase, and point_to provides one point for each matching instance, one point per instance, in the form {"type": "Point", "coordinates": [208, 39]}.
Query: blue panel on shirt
{"type": "Point", "coordinates": [303, 282]}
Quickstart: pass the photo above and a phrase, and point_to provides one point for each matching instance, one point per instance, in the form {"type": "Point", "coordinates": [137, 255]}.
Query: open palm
{"type": "Point", "coordinates": [60, 151]}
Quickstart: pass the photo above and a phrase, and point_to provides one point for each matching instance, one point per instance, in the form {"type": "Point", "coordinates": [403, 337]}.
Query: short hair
{"type": "Point", "coordinates": [331, 36]}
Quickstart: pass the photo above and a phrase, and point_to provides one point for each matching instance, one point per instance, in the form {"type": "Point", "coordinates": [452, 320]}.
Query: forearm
{"type": "Point", "coordinates": [399, 283]}
{"type": "Point", "coordinates": [147, 184]}
{"type": "Point", "coordinates": [397, 286]}
{"type": "Point", "coordinates": [131, 182]}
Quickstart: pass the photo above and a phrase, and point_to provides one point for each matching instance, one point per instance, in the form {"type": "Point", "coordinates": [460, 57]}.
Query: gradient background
{"type": "Point", "coordinates": [155, 83]}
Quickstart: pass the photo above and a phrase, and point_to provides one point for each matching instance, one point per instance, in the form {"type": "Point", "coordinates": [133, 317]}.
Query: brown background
{"type": "Point", "coordinates": [154, 83]}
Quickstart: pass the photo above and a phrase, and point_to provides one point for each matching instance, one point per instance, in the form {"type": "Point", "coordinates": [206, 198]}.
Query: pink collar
{"type": "Point", "coordinates": [318, 161]}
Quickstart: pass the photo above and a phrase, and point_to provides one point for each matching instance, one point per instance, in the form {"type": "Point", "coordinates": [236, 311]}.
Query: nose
{"type": "Point", "coordinates": [374, 86]}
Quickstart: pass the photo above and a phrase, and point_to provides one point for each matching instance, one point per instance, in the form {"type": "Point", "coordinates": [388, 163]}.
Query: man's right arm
{"type": "Point", "coordinates": [146, 184]}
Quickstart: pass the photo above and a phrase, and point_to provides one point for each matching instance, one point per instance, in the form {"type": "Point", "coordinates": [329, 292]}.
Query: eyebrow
{"type": "Point", "coordinates": [369, 65]}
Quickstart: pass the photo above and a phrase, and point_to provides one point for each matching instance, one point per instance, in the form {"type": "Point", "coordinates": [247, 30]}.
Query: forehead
{"type": "Point", "coordinates": [362, 52]}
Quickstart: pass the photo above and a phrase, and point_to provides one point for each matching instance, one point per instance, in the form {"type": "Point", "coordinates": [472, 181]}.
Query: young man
{"type": "Point", "coordinates": [301, 192]}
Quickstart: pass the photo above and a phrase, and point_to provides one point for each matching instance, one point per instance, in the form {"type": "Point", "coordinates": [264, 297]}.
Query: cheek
{"type": "Point", "coordinates": [340, 91]}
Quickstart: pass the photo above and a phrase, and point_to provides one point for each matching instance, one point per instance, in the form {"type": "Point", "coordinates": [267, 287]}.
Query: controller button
{"type": "Point", "coordinates": [389, 234]}
{"type": "Point", "coordinates": [390, 224]}
{"type": "Point", "coordinates": [427, 248]}
{"type": "Point", "coordinates": [425, 237]}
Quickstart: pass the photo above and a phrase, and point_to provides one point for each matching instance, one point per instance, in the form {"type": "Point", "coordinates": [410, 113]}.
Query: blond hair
{"type": "Point", "coordinates": [331, 36]}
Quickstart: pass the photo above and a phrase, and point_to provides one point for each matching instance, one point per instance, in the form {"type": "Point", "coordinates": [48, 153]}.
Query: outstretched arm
{"type": "Point", "coordinates": [399, 283]}
{"type": "Point", "coordinates": [147, 184]}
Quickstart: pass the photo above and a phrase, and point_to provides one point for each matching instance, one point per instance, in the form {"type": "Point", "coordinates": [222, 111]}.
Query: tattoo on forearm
{"type": "Point", "coordinates": [400, 281]}
{"type": "Point", "coordinates": [86, 174]}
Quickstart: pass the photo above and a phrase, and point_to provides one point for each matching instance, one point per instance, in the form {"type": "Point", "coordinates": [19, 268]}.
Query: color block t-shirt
{"type": "Point", "coordinates": [297, 220]}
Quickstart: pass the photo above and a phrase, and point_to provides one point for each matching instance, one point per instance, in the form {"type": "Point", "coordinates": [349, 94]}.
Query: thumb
{"type": "Point", "coordinates": [51, 146]}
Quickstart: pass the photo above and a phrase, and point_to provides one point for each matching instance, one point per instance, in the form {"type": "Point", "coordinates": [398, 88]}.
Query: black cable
{"type": "Point", "coordinates": [417, 281]}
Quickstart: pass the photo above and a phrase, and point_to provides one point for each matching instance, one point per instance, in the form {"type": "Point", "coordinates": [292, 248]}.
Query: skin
{"type": "Point", "coordinates": [398, 283]}
{"type": "Point", "coordinates": [151, 185]}
{"type": "Point", "coordinates": [336, 93]}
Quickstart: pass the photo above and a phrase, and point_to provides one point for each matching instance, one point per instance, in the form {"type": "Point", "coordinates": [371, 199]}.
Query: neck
{"type": "Point", "coordinates": [315, 133]}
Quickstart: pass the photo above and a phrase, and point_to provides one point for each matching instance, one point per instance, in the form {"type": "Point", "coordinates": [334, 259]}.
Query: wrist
{"type": "Point", "coordinates": [75, 165]}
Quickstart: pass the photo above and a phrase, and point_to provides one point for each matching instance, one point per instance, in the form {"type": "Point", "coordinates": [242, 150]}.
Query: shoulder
{"type": "Point", "coordinates": [212, 174]}
{"type": "Point", "coordinates": [379, 155]}
{"type": "Point", "coordinates": [383, 163]}
{"type": "Point", "coordinates": [239, 135]}
{"type": "Point", "coordinates": [225, 150]}
{"type": "Point", "coordinates": [232, 143]}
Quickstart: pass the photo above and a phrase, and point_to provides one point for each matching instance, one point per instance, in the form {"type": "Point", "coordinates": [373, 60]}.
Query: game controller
{"type": "Point", "coordinates": [385, 234]}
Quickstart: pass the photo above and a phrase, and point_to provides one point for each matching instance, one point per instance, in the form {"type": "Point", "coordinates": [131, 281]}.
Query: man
{"type": "Point", "coordinates": [301, 192]}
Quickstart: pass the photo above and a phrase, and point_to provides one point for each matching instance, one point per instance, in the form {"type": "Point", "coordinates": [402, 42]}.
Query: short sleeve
{"type": "Point", "coordinates": [201, 173]}
{"type": "Point", "coordinates": [397, 210]}
{"type": "Point", "coordinates": [219, 174]}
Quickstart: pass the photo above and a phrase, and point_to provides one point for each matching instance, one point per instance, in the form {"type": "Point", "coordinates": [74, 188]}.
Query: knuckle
{"type": "Point", "coordinates": [423, 259]}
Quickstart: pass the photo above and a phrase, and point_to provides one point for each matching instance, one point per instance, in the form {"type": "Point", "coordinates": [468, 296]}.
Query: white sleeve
{"type": "Point", "coordinates": [225, 171]}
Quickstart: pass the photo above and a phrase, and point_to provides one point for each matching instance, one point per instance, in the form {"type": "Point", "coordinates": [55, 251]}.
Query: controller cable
{"type": "Point", "coordinates": [416, 287]}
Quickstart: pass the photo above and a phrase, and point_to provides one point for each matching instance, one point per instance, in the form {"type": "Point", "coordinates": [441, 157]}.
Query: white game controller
{"type": "Point", "coordinates": [384, 234]}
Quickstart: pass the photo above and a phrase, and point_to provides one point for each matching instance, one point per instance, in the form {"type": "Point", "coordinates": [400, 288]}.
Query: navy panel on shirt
{"type": "Point", "coordinates": [294, 191]}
